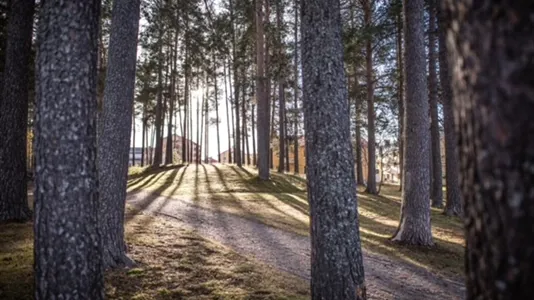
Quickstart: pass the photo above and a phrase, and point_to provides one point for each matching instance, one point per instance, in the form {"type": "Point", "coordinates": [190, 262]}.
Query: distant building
{"type": "Point", "coordinates": [177, 143]}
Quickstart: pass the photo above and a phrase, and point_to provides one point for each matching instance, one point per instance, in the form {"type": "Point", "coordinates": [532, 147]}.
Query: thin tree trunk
{"type": "Point", "coordinates": [198, 156]}
{"type": "Point", "coordinates": [115, 131]}
{"type": "Point", "coordinates": [336, 260]}
{"type": "Point", "coordinates": [244, 130]}
{"type": "Point", "coordinates": [263, 100]}
{"type": "Point", "coordinates": [170, 138]}
{"type": "Point", "coordinates": [159, 107]}
{"type": "Point", "coordinates": [436, 191]}
{"type": "Point", "coordinates": [254, 157]}
{"type": "Point", "coordinates": [14, 113]}
{"type": "Point", "coordinates": [206, 125]}
{"type": "Point", "coordinates": [286, 125]}
{"type": "Point", "coordinates": [217, 115]}
{"type": "Point", "coordinates": [228, 122]}
{"type": "Point", "coordinates": [281, 128]}
{"type": "Point", "coordinates": [143, 133]}
{"type": "Point", "coordinates": [237, 154]}
{"type": "Point", "coordinates": [133, 139]}
{"type": "Point", "coordinates": [186, 103]}
{"type": "Point", "coordinates": [68, 249]}
{"type": "Point", "coordinates": [400, 91]}
{"type": "Point", "coordinates": [296, 91]}
{"type": "Point", "coordinates": [414, 226]}
{"type": "Point", "coordinates": [453, 205]}
{"type": "Point", "coordinates": [371, 147]}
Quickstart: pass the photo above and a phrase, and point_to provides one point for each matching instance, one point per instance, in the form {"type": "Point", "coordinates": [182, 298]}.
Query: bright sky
{"type": "Point", "coordinates": [196, 98]}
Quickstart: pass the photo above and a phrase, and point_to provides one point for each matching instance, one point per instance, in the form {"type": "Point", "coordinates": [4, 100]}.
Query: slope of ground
{"type": "Point", "coordinates": [173, 263]}
{"type": "Point", "coordinates": [282, 203]}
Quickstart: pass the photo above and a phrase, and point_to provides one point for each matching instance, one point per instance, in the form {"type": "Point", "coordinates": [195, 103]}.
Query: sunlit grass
{"type": "Point", "coordinates": [281, 202]}
{"type": "Point", "coordinates": [173, 263]}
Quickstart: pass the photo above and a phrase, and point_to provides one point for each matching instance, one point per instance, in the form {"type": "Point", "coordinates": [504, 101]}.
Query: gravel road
{"type": "Point", "coordinates": [386, 277]}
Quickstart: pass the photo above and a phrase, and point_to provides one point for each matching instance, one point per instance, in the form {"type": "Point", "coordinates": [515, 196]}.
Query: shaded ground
{"type": "Point", "coordinates": [174, 263]}
{"type": "Point", "coordinates": [225, 203]}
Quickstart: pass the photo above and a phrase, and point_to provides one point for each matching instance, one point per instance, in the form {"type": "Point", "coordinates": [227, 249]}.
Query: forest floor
{"type": "Point", "coordinates": [173, 262]}
{"type": "Point", "coordinates": [268, 221]}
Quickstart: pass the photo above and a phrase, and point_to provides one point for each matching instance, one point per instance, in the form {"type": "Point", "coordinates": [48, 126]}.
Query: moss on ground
{"type": "Point", "coordinates": [282, 202]}
{"type": "Point", "coordinates": [173, 263]}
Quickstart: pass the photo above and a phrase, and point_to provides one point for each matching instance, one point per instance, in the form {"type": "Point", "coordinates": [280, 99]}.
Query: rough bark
{"type": "Point", "coordinates": [14, 113]}
{"type": "Point", "coordinates": [133, 138]}
{"type": "Point", "coordinates": [414, 227]}
{"type": "Point", "coordinates": [436, 191]}
{"type": "Point", "coordinates": [68, 258]}
{"type": "Point", "coordinates": [453, 204]}
{"type": "Point", "coordinates": [337, 266]}
{"type": "Point", "coordinates": [114, 139]}
{"type": "Point", "coordinates": [371, 143]}
{"type": "Point", "coordinates": [263, 99]}
{"type": "Point", "coordinates": [491, 48]}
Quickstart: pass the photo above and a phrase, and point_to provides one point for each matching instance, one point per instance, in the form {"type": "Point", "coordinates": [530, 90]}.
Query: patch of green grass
{"type": "Point", "coordinates": [282, 203]}
{"type": "Point", "coordinates": [173, 263]}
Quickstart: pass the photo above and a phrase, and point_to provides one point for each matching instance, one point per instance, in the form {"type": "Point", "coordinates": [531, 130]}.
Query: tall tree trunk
{"type": "Point", "coordinates": [159, 107]}
{"type": "Point", "coordinates": [436, 192]}
{"type": "Point", "coordinates": [286, 134]}
{"type": "Point", "coordinates": [68, 249]}
{"type": "Point", "coordinates": [453, 205]}
{"type": "Point", "coordinates": [359, 157]}
{"type": "Point", "coordinates": [254, 157]}
{"type": "Point", "coordinates": [197, 146]}
{"type": "Point", "coordinates": [115, 131]}
{"type": "Point", "coordinates": [186, 104]}
{"type": "Point", "coordinates": [281, 127]}
{"type": "Point", "coordinates": [414, 227]}
{"type": "Point", "coordinates": [234, 132]}
{"type": "Point", "coordinates": [400, 91]}
{"type": "Point", "coordinates": [133, 138]}
{"type": "Point", "coordinates": [493, 105]}
{"type": "Point", "coordinates": [336, 260]}
{"type": "Point", "coordinates": [170, 138]}
{"type": "Point", "coordinates": [237, 135]}
{"type": "Point", "coordinates": [217, 120]}
{"type": "Point", "coordinates": [206, 125]}
{"type": "Point", "coordinates": [263, 100]}
{"type": "Point", "coordinates": [281, 92]}
{"type": "Point", "coordinates": [228, 122]}
{"type": "Point", "coordinates": [14, 113]}
{"type": "Point", "coordinates": [244, 117]}
{"type": "Point", "coordinates": [371, 143]}
{"type": "Point", "coordinates": [143, 133]}
{"type": "Point", "coordinates": [296, 90]}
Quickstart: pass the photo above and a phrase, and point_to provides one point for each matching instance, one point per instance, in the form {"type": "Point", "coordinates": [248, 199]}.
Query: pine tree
{"type": "Point", "coordinates": [414, 226]}
{"type": "Point", "coordinates": [68, 253]}
{"type": "Point", "coordinates": [337, 267]}
{"type": "Point", "coordinates": [493, 105]}
{"type": "Point", "coordinates": [14, 113]}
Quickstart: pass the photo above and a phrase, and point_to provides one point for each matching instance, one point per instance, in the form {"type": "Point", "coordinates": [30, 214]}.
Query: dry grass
{"type": "Point", "coordinates": [173, 263]}
{"type": "Point", "coordinates": [282, 203]}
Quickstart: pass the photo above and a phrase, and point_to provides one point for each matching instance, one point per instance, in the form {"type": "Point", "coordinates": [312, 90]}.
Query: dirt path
{"type": "Point", "coordinates": [386, 278]}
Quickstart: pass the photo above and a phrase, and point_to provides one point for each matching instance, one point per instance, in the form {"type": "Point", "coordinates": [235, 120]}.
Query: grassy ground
{"type": "Point", "coordinates": [282, 203]}
{"type": "Point", "coordinates": [174, 263]}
